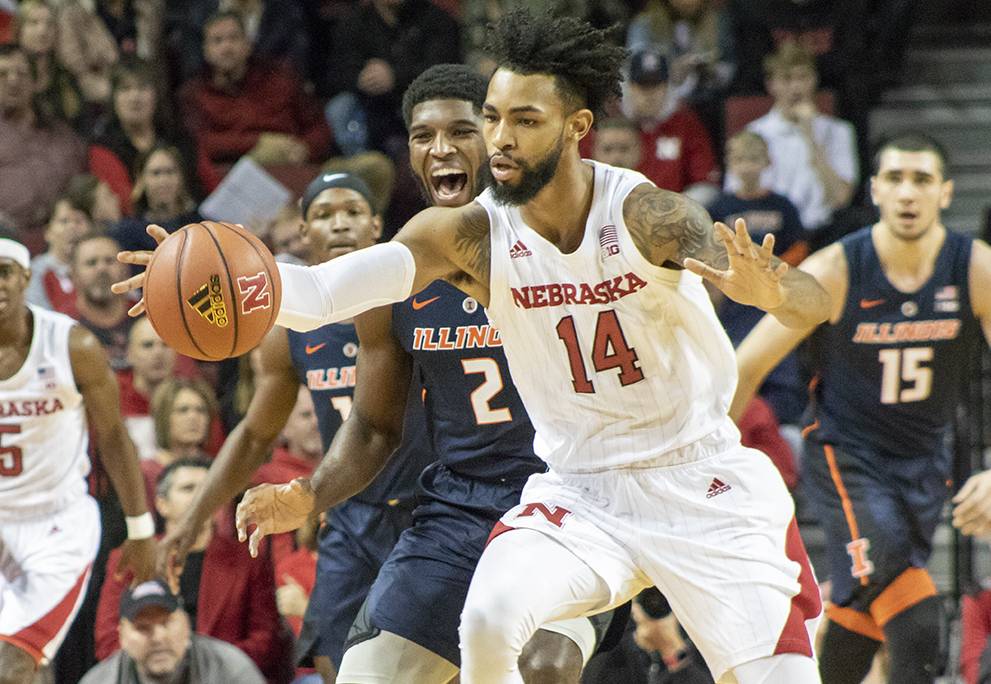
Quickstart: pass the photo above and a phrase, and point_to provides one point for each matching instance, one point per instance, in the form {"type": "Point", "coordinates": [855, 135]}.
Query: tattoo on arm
{"type": "Point", "coordinates": [472, 242]}
{"type": "Point", "coordinates": [667, 228]}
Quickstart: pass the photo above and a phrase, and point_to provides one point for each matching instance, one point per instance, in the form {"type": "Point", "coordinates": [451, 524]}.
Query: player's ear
{"type": "Point", "coordinates": [580, 123]}
{"type": "Point", "coordinates": [874, 191]}
{"type": "Point", "coordinates": [377, 226]}
{"type": "Point", "coordinates": [946, 194]}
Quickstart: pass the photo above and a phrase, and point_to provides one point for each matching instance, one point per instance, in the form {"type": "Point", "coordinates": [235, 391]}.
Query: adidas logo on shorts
{"type": "Point", "coordinates": [716, 488]}
{"type": "Point", "coordinates": [519, 250]}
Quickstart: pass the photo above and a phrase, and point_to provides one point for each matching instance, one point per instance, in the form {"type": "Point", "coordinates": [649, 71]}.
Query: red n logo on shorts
{"type": "Point", "coordinates": [555, 517]}
{"type": "Point", "coordinates": [255, 292]}
{"type": "Point", "coordinates": [862, 566]}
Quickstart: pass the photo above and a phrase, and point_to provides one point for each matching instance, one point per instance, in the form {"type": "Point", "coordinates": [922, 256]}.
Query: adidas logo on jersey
{"type": "Point", "coordinates": [716, 488]}
{"type": "Point", "coordinates": [519, 250]}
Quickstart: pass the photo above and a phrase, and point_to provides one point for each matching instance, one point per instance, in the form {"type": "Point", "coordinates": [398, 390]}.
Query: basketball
{"type": "Point", "coordinates": [212, 290]}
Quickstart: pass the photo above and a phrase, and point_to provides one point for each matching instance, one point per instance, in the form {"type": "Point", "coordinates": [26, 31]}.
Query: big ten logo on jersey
{"type": "Point", "coordinates": [608, 241]}
{"type": "Point", "coordinates": [461, 337]}
{"type": "Point", "coordinates": [255, 292]}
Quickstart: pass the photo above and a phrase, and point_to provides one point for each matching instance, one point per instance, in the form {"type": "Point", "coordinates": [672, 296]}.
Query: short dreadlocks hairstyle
{"type": "Point", "coordinates": [584, 60]}
{"type": "Point", "coordinates": [445, 82]}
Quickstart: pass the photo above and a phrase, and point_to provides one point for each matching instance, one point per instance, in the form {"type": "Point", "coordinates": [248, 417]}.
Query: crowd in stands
{"type": "Point", "coordinates": [115, 114]}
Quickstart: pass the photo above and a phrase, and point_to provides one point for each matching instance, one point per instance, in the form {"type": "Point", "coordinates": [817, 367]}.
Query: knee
{"type": "Point", "coordinates": [540, 666]}
{"type": "Point", "coordinates": [16, 667]}
{"type": "Point", "coordinates": [482, 623]}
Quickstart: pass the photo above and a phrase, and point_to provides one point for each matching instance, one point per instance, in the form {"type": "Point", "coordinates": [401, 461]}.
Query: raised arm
{"type": "Point", "coordinates": [361, 447]}
{"type": "Point", "coordinates": [243, 452]}
{"type": "Point", "coordinates": [673, 231]}
{"type": "Point", "coordinates": [437, 244]}
{"type": "Point", "coordinates": [770, 341]}
{"type": "Point", "coordinates": [101, 397]}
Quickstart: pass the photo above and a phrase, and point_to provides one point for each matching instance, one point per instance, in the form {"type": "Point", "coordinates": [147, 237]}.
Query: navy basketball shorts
{"type": "Point", "coordinates": [879, 513]}
{"type": "Point", "coordinates": [354, 544]}
{"type": "Point", "coordinates": [421, 589]}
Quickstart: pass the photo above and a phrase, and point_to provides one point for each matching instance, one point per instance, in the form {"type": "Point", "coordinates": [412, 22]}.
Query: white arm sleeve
{"type": "Point", "coordinates": [313, 296]}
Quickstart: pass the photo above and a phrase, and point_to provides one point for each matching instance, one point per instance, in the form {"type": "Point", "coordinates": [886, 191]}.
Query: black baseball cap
{"type": "Point", "coordinates": [648, 68]}
{"type": "Point", "coordinates": [151, 593]}
{"type": "Point", "coordinates": [335, 180]}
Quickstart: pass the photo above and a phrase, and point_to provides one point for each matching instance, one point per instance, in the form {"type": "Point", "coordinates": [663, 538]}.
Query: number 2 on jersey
{"type": "Point", "coordinates": [491, 385]}
{"type": "Point", "coordinates": [901, 367]}
{"type": "Point", "coordinates": [609, 350]}
{"type": "Point", "coordinates": [11, 463]}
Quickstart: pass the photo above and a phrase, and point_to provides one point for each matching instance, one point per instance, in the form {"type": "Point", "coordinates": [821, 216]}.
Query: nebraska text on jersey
{"type": "Point", "coordinates": [32, 407]}
{"type": "Point", "coordinates": [556, 294]}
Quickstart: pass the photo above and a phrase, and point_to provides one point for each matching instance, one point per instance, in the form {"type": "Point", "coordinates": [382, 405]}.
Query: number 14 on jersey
{"type": "Point", "coordinates": [609, 350]}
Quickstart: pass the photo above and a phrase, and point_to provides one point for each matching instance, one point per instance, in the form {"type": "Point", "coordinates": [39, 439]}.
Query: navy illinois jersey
{"type": "Point", "coordinates": [477, 420]}
{"type": "Point", "coordinates": [890, 371]}
{"type": "Point", "coordinates": [325, 361]}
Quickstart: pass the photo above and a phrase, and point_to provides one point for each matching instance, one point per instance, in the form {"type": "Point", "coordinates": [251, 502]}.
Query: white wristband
{"type": "Point", "coordinates": [140, 526]}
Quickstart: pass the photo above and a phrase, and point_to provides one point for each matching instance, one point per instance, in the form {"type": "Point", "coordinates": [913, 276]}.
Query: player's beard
{"type": "Point", "coordinates": [533, 178]}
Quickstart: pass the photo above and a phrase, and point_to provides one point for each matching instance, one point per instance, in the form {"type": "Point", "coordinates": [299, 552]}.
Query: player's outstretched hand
{"type": "Point", "coordinates": [172, 551]}
{"type": "Point", "coordinates": [138, 556]}
{"type": "Point", "coordinates": [752, 277]}
{"type": "Point", "coordinates": [972, 513]}
{"type": "Point", "coordinates": [272, 509]}
{"type": "Point", "coordinates": [142, 258]}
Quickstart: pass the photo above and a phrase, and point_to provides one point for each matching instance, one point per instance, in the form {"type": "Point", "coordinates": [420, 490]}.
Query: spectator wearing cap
{"type": "Point", "coordinates": [677, 150]}
{"type": "Point", "coordinates": [244, 105]}
{"type": "Point", "coordinates": [225, 593]}
{"type": "Point", "coordinates": [157, 645]}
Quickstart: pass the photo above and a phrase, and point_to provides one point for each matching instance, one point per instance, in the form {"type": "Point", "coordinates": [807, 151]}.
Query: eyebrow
{"type": "Point", "coordinates": [456, 122]}
{"type": "Point", "coordinates": [530, 109]}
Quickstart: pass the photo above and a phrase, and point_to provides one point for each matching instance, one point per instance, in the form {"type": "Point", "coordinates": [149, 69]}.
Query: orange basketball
{"type": "Point", "coordinates": [212, 290]}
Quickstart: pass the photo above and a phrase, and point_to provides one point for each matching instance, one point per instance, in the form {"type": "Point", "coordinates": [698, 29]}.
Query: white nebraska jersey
{"type": "Point", "coordinates": [43, 430]}
{"type": "Point", "coordinates": [617, 361]}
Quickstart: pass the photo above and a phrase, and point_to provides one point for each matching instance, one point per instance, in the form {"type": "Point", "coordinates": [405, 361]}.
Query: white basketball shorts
{"type": "Point", "coordinates": [715, 533]}
{"type": "Point", "coordinates": [44, 569]}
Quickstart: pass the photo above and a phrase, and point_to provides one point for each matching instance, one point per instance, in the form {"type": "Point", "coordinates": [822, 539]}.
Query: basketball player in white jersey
{"type": "Point", "coordinates": [54, 377]}
{"type": "Point", "coordinates": [623, 368]}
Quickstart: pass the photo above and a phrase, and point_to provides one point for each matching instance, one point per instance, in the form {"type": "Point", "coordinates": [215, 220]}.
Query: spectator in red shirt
{"type": "Point", "coordinates": [51, 284]}
{"type": "Point", "coordinates": [298, 456]}
{"type": "Point", "coordinates": [151, 362]}
{"type": "Point", "coordinates": [183, 411]}
{"type": "Point", "coordinates": [227, 594]}
{"type": "Point", "coordinates": [241, 105]}
{"type": "Point", "coordinates": [38, 154]}
{"type": "Point", "coordinates": [677, 150]}
{"type": "Point", "coordinates": [975, 648]}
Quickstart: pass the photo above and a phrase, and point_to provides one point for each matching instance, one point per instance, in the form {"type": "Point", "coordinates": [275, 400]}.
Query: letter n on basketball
{"type": "Point", "coordinates": [255, 292]}
{"type": "Point", "coordinates": [554, 515]}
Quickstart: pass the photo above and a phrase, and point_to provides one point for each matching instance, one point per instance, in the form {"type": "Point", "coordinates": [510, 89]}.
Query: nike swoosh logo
{"type": "Point", "coordinates": [314, 348]}
{"type": "Point", "coordinates": [871, 303]}
{"type": "Point", "coordinates": [419, 305]}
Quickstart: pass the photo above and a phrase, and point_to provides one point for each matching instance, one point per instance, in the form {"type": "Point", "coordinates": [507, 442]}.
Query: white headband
{"type": "Point", "coordinates": [15, 251]}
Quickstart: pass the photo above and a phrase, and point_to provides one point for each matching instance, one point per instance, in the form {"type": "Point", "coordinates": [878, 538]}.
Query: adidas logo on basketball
{"type": "Point", "coordinates": [716, 488]}
{"type": "Point", "coordinates": [519, 250]}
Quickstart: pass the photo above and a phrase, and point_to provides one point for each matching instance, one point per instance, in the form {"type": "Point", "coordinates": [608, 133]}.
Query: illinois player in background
{"type": "Point", "coordinates": [338, 218]}
{"type": "Point", "coordinates": [54, 376]}
{"type": "Point", "coordinates": [909, 299]}
{"type": "Point", "coordinates": [624, 370]}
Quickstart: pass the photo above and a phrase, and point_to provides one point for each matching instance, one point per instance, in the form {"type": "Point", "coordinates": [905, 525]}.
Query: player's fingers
{"type": "Point", "coordinates": [140, 258]}
{"type": "Point", "coordinates": [965, 491]}
{"type": "Point", "coordinates": [780, 270]}
{"type": "Point", "coordinates": [157, 232]}
{"type": "Point", "coordinates": [725, 235]}
{"type": "Point", "coordinates": [741, 238]}
{"type": "Point", "coordinates": [713, 275]}
{"type": "Point", "coordinates": [132, 283]}
{"type": "Point", "coordinates": [242, 517]}
{"type": "Point", "coordinates": [766, 250]}
{"type": "Point", "coordinates": [256, 539]}
{"type": "Point", "coordinates": [137, 309]}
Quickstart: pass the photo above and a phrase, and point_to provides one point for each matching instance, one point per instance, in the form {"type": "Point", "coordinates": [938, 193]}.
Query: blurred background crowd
{"type": "Point", "coordinates": [119, 113]}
